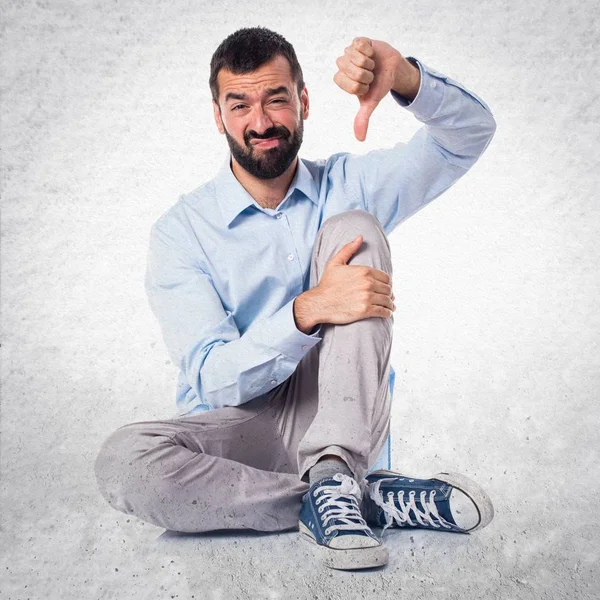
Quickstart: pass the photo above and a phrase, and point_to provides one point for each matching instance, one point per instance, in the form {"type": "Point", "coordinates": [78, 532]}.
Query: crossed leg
{"type": "Point", "coordinates": [246, 467]}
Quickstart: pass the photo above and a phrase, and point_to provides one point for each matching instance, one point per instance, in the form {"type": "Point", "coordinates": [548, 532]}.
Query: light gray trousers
{"type": "Point", "coordinates": [246, 467]}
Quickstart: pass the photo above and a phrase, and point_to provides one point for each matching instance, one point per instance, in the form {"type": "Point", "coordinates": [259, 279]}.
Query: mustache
{"type": "Point", "coordinates": [270, 133]}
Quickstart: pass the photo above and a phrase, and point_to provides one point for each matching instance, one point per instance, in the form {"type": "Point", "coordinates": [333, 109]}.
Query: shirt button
{"type": "Point", "coordinates": [304, 347]}
{"type": "Point", "coordinates": [432, 84]}
{"type": "Point", "coordinates": [279, 215]}
{"type": "Point", "coordinates": [273, 381]}
{"type": "Point", "coordinates": [290, 257]}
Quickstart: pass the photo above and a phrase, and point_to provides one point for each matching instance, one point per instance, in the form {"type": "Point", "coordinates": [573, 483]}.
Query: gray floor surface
{"type": "Point", "coordinates": [106, 119]}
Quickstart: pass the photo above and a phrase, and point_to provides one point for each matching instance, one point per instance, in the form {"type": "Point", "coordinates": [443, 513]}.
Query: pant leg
{"type": "Point", "coordinates": [238, 467]}
{"type": "Point", "coordinates": [221, 469]}
{"type": "Point", "coordinates": [340, 402]}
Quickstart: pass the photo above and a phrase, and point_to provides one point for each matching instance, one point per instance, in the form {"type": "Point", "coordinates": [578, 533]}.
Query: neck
{"type": "Point", "coordinates": [267, 192]}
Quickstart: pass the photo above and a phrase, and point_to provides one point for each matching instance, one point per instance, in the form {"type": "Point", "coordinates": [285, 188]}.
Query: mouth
{"type": "Point", "coordinates": [270, 143]}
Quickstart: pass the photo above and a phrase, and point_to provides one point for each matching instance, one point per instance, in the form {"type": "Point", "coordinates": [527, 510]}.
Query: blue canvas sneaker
{"type": "Point", "coordinates": [446, 502]}
{"type": "Point", "coordinates": [330, 519]}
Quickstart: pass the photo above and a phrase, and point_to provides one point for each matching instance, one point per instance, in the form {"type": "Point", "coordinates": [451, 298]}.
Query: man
{"type": "Point", "coordinates": [272, 284]}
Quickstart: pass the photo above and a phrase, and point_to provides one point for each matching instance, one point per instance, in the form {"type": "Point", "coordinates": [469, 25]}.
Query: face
{"type": "Point", "coordinates": [262, 105]}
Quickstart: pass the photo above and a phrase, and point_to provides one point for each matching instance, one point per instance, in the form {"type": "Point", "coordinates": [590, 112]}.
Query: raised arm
{"type": "Point", "coordinates": [458, 126]}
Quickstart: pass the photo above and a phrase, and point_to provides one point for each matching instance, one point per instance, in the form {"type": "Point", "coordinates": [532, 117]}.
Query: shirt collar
{"type": "Point", "coordinates": [233, 198]}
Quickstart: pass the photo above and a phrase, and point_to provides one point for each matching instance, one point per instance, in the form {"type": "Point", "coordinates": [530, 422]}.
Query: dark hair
{"type": "Point", "coordinates": [248, 49]}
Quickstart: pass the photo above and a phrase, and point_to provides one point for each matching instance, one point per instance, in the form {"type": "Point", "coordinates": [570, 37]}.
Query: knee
{"type": "Point", "coordinates": [120, 466]}
{"type": "Point", "coordinates": [346, 226]}
{"type": "Point", "coordinates": [357, 219]}
{"type": "Point", "coordinates": [108, 466]}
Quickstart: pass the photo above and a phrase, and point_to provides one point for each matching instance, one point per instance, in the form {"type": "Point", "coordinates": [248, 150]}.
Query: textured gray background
{"type": "Point", "coordinates": [106, 119]}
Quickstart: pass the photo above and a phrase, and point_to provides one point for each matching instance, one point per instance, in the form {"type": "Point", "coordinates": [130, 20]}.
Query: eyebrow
{"type": "Point", "coordinates": [282, 89]}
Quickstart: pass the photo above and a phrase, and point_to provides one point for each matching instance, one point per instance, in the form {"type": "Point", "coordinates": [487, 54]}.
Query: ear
{"type": "Point", "coordinates": [305, 102]}
{"type": "Point", "coordinates": [218, 120]}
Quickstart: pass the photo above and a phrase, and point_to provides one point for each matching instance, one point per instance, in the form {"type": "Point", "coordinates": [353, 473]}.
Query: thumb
{"type": "Point", "coordinates": [347, 251]}
{"type": "Point", "coordinates": [361, 121]}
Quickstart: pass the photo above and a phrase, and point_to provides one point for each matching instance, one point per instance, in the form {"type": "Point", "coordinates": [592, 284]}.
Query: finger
{"type": "Point", "coordinates": [383, 288]}
{"type": "Point", "coordinates": [379, 275]}
{"type": "Point", "coordinates": [381, 311]}
{"type": "Point", "coordinates": [347, 251]}
{"type": "Point", "coordinates": [350, 85]}
{"type": "Point", "coordinates": [361, 121]}
{"type": "Point", "coordinates": [382, 300]}
{"type": "Point", "coordinates": [359, 59]}
{"type": "Point", "coordinates": [364, 46]}
{"type": "Point", "coordinates": [353, 71]}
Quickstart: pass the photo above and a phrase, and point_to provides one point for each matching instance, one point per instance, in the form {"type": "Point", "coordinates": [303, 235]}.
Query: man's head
{"type": "Point", "coordinates": [258, 93]}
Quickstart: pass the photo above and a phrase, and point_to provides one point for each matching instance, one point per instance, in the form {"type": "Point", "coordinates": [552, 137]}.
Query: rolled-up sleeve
{"type": "Point", "coordinates": [397, 182]}
{"type": "Point", "coordinates": [223, 367]}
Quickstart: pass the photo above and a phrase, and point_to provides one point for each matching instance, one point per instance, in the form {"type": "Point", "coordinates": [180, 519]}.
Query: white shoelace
{"type": "Point", "coordinates": [339, 506]}
{"type": "Point", "coordinates": [401, 515]}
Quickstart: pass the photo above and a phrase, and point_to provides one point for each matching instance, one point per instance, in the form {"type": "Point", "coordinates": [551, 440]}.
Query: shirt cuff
{"type": "Point", "coordinates": [279, 332]}
{"type": "Point", "coordinates": [430, 94]}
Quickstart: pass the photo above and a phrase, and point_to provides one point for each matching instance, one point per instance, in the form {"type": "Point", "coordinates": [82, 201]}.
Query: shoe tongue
{"type": "Point", "coordinates": [349, 488]}
{"type": "Point", "coordinates": [328, 481]}
{"type": "Point", "coordinates": [348, 485]}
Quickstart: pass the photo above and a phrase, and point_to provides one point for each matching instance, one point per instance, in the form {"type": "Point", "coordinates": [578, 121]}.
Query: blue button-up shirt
{"type": "Point", "coordinates": [223, 271]}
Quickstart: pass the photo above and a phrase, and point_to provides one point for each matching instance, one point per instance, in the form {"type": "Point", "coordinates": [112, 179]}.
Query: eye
{"type": "Point", "coordinates": [237, 106]}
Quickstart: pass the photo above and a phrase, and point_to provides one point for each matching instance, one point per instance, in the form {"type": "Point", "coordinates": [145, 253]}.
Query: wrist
{"type": "Point", "coordinates": [304, 312]}
{"type": "Point", "coordinates": [407, 79]}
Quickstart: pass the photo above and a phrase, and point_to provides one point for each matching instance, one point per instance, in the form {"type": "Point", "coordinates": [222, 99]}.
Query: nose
{"type": "Point", "coordinates": [260, 121]}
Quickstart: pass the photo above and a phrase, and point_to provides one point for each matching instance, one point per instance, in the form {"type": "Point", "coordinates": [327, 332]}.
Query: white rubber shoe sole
{"type": "Point", "coordinates": [475, 492]}
{"type": "Point", "coordinates": [346, 559]}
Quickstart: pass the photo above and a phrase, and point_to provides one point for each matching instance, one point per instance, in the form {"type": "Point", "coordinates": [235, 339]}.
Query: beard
{"type": "Point", "coordinates": [271, 162]}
